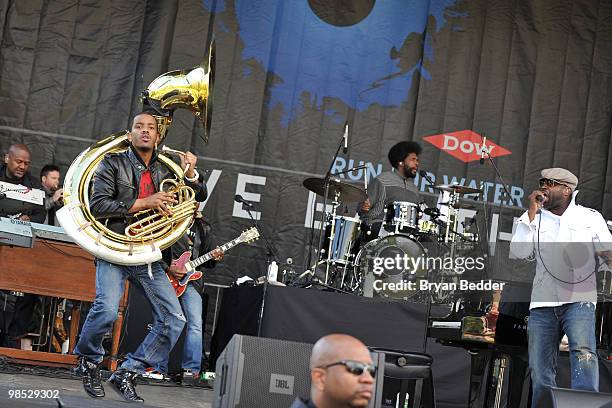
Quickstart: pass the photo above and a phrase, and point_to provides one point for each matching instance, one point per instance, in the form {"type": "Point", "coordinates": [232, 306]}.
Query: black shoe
{"type": "Point", "coordinates": [190, 378]}
{"type": "Point", "coordinates": [194, 380]}
{"type": "Point", "coordinates": [124, 382]}
{"type": "Point", "coordinates": [92, 380]}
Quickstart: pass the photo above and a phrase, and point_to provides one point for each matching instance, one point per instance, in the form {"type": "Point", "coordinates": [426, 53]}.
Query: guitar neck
{"type": "Point", "coordinates": [208, 256]}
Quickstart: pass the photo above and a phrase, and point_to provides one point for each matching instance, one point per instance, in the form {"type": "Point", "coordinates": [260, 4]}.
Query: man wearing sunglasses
{"type": "Point", "coordinates": [568, 243]}
{"type": "Point", "coordinates": [341, 374]}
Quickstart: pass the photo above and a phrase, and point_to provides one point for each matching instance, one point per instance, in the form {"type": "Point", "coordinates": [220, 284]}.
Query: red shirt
{"type": "Point", "coordinates": [147, 187]}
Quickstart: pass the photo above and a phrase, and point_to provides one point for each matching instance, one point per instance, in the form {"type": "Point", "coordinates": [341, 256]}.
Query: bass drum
{"type": "Point", "coordinates": [395, 265]}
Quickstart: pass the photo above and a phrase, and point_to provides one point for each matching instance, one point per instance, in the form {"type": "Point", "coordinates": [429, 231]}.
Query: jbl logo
{"type": "Point", "coordinates": [281, 384]}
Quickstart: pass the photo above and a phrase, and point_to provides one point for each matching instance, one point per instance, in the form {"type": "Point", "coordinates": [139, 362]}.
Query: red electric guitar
{"type": "Point", "coordinates": [183, 261]}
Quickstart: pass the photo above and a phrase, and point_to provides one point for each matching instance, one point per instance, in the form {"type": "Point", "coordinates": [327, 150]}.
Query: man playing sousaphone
{"type": "Point", "coordinates": [124, 184]}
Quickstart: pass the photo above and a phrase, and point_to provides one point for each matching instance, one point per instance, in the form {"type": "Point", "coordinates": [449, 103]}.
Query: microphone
{"type": "Point", "coordinates": [483, 150]}
{"type": "Point", "coordinates": [540, 199]}
{"type": "Point", "coordinates": [345, 137]}
{"type": "Point", "coordinates": [238, 198]}
{"type": "Point", "coordinates": [424, 174]}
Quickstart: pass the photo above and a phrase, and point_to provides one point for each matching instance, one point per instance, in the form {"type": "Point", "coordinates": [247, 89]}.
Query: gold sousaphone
{"type": "Point", "coordinates": [142, 241]}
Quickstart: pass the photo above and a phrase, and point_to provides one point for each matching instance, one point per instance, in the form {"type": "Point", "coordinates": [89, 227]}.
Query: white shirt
{"type": "Point", "coordinates": [564, 250]}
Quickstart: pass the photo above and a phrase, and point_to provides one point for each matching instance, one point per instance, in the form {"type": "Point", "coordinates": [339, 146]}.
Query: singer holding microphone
{"type": "Point", "coordinates": [568, 243]}
{"type": "Point", "coordinates": [394, 185]}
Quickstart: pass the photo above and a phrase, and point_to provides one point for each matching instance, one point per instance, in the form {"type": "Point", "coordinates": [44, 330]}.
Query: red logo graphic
{"type": "Point", "coordinates": [465, 145]}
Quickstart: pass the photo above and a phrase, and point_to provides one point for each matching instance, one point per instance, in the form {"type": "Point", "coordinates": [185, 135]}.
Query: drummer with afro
{"type": "Point", "coordinates": [394, 185]}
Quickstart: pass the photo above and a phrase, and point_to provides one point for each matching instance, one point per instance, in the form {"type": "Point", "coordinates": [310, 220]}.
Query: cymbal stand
{"type": "Point", "coordinates": [450, 236]}
{"type": "Point", "coordinates": [323, 213]}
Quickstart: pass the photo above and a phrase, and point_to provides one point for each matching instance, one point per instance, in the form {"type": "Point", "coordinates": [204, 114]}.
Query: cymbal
{"type": "Point", "coordinates": [463, 206]}
{"type": "Point", "coordinates": [457, 188]}
{"type": "Point", "coordinates": [348, 192]}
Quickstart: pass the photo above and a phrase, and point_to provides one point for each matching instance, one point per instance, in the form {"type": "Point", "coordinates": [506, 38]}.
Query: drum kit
{"type": "Point", "coordinates": [347, 247]}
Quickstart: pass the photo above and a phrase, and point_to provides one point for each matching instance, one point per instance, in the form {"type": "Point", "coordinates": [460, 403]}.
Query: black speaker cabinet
{"type": "Point", "coordinates": [260, 372]}
{"type": "Point", "coordinates": [565, 398]}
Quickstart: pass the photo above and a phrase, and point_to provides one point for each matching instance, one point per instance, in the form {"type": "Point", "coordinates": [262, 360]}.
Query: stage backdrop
{"type": "Point", "coordinates": [534, 77]}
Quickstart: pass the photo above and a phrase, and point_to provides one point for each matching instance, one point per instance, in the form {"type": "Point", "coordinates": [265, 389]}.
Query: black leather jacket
{"type": "Point", "coordinates": [116, 185]}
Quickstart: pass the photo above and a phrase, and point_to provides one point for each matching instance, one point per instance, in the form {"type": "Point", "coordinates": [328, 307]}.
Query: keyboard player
{"type": "Point", "coordinates": [15, 170]}
{"type": "Point", "coordinates": [16, 321]}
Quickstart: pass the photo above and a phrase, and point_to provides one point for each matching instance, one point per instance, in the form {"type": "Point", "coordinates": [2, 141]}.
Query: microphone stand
{"type": "Point", "coordinates": [271, 256]}
{"type": "Point", "coordinates": [501, 179]}
{"type": "Point", "coordinates": [352, 169]}
{"type": "Point", "coordinates": [485, 151]}
{"type": "Point", "coordinates": [428, 310]}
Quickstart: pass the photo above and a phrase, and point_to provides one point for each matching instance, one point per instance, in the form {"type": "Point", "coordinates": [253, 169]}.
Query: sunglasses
{"type": "Point", "coordinates": [550, 183]}
{"type": "Point", "coordinates": [354, 367]}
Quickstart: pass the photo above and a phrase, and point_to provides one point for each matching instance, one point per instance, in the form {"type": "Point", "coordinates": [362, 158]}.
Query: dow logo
{"type": "Point", "coordinates": [465, 145]}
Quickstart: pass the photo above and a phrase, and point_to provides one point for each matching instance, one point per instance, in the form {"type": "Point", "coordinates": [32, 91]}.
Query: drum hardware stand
{"type": "Point", "coordinates": [450, 236]}
{"type": "Point", "coordinates": [332, 235]}
{"type": "Point", "coordinates": [333, 214]}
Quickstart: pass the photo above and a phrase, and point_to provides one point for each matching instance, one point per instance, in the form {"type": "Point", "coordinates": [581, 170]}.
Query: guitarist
{"type": "Point", "coordinates": [198, 240]}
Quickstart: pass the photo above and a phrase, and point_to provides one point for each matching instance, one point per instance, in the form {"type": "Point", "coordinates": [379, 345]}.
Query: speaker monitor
{"type": "Point", "coordinates": [565, 398]}
{"type": "Point", "coordinates": [261, 372]}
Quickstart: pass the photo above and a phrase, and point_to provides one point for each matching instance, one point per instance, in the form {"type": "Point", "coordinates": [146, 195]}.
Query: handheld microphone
{"type": "Point", "coordinates": [238, 198]}
{"type": "Point", "coordinates": [483, 150]}
{"type": "Point", "coordinates": [424, 174]}
{"type": "Point", "coordinates": [345, 137]}
{"type": "Point", "coordinates": [540, 199]}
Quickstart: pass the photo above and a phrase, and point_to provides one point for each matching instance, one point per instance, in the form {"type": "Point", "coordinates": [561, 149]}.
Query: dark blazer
{"type": "Point", "coordinates": [300, 403]}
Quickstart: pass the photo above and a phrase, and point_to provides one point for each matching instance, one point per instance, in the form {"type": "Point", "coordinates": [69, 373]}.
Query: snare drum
{"type": "Point", "coordinates": [402, 216]}
{"type": "Point", "coordinates": [343, 244]}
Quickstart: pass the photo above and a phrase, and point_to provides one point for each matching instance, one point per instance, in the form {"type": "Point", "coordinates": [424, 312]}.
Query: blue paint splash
{"type": "Point", "coordinates": [314, 60]}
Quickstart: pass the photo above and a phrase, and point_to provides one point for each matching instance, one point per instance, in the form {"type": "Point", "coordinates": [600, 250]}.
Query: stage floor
{"type": "Point", "coordinates": [71, 393]}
